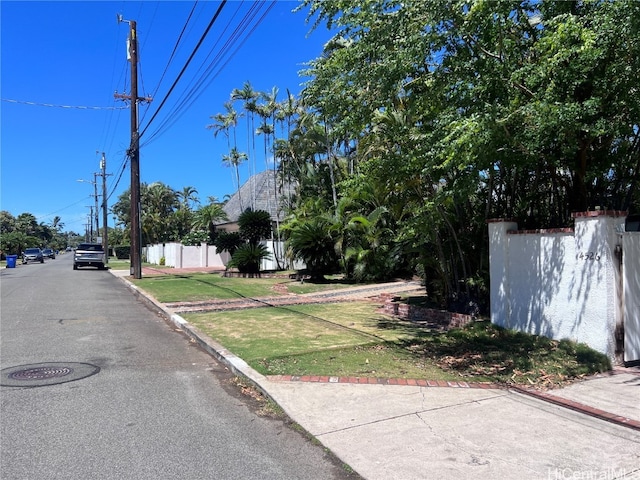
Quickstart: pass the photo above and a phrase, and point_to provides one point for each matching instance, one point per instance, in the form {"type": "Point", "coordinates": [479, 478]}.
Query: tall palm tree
{"type": "Point", "coordinates": [224, 122]}
{"type": "Point", "coordinates": [234, 159]}
{"type": "Point", "coordinates": [249, 97]}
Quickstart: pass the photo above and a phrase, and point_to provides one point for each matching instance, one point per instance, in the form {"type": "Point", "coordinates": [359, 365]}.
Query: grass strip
{"type": "Point", "coordinates": [352, 339]}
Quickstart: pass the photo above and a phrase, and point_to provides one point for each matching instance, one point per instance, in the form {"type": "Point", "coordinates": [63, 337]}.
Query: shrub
{"type": "Point", "coordinates": [123, 252]}
{"type": "Point", "coordinates": [247, 258]}
{"type": "Point", "coordinates": [228, 241]}
{"type": "Point", "coordinates": [195, 238]}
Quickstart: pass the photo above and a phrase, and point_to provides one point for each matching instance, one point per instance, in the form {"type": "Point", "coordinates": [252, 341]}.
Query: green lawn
{"type": "Point", "coordinates": [213, 286]}
{"type": "Point", "coordinates": [352, 339]}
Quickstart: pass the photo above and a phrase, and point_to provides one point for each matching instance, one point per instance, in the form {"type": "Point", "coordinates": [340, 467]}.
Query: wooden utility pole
{"type": "Point", "coordinates": [105, 241]}
{"type": "Point", "coordinates": [96, 211]}
{"type": "Point", "coordinates": [134, 154]}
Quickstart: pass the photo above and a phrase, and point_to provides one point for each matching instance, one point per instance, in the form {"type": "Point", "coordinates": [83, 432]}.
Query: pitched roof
{"type": "Point", "coordinates": [259, 193]}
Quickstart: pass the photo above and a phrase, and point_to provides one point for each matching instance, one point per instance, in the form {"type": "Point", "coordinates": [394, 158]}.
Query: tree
{"type": "Point", "coordinates": [463, 111]}
{"type": "Point", "coordinates": [228, 241]}
{"type": "Point", "coordinates": [7, 222]}
{"type": "Point", "coordinates": [234, 159]}
{"type": "Point", "coordinates": [206, 218]}
{"type": "Point", "coordinates": [188, 197]}
{"type": "Point", "coordinates": [249, 97]}
{"type": "Point", "coordinates": [313, 241]}
{"type": "Point", "coordinates": [254, 225]}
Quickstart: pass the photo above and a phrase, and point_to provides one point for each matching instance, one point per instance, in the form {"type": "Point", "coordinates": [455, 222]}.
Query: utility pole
{"type": "Point", "coordinates": [95, 196]}
{"type": "Point", "coordinates": [90, 231]}
{"type": "Point", "coordinates": [105, 241]}
{"type": "Point", "coordinates": [134, 153]}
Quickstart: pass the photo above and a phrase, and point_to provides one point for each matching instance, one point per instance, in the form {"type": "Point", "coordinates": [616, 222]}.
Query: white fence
{"type": "Point", "coordinates": [565, 283]}
{"type": "Point", "coordinates": [181, 256]}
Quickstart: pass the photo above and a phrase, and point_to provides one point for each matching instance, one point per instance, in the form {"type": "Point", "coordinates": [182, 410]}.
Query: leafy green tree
{"type": "Point", "coordinates": [7, 222]}
{"type": "Point", "coordinates": [466, 110]}
{"type": "Point", "coordinates": [14, 243]}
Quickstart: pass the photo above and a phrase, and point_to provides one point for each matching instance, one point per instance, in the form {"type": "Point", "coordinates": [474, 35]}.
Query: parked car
{"type": "Point", "coordinates": [89, 255]}
{"type": "Point", "coordinates": [32, 255]}
{"type": "Point", "coordinates": [49, 253]}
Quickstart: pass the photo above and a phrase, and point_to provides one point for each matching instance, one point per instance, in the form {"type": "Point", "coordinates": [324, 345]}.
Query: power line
{"type": "Point", "coordinates": [79, 107]}
{"type": "Point", "coordinates": [175, 49]}
{"type": "Point", "coordinates": [234, 37]}
{"type": "Point", "coordinates": [204, 35]}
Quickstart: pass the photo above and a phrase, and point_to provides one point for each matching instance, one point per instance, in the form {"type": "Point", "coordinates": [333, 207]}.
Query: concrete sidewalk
{"type": "Point", "coordinates": [386, 431]}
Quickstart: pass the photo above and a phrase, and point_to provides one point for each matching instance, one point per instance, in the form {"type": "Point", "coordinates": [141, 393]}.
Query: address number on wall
{"type": "Point", "coordinates": [593, 256]}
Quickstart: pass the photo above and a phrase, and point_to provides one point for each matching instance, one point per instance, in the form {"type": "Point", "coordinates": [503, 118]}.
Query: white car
{"type": "Point", "coordinates": [89, 255]}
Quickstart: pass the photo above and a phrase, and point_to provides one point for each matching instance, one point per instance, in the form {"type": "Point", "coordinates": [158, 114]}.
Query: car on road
{"type": "Point", "coordinates": [49, 253]}
{"type": "Point", "coordinates": [32, 255]}
{"type": "Point", "coordinates": [89, 255]}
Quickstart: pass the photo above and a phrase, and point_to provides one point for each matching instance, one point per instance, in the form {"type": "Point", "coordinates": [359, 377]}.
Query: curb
{"type": "Point", "coordinates": [580, 407]}
{"type": "Point", "coordinates": [241, 368]}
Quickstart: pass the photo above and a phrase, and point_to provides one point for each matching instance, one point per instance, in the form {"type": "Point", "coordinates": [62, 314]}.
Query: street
{"type": "Point", "coordinates": [100, 387]}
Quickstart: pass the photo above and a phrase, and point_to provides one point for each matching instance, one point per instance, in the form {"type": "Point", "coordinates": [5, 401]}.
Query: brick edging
{"type": "Point", "coordinates": [415, 382]}
{"type": "Point", "coordinates": [580, 407]}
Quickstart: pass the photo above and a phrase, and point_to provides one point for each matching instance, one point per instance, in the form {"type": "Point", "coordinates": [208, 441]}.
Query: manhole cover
{"type": "Point", "coordinates": [42, 374]}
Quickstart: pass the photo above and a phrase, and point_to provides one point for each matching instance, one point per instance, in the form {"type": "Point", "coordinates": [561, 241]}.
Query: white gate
{"type": "Point", "coordinates": [631, 289]}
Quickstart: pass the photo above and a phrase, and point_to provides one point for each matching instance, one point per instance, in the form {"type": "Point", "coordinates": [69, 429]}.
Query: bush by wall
{"type": "Point", "coordinates": [123, 252]}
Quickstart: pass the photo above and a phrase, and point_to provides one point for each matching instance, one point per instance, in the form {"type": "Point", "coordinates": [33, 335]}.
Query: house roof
{"type": "Point", "coordinates": [259, 193]}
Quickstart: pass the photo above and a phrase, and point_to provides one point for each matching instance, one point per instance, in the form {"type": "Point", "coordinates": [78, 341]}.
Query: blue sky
{"type": "Point", "coordinates": [57, 56]}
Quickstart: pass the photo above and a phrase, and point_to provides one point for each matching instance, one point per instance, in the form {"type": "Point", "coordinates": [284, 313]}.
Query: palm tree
{"type": "Point", "coordinates": [206, 218]}
{"type": "Point", "coordinates": [249, 96]}
{"type": "Point", "coordinates": [187, 195]}
{"type": "Point", "coordinates": [233, 159]}
{"type": "Point", "coordinates": [223, 122]}
{"type": "Point", "coordinates": [313, 241]}
{"type": "Point", "coordinates": [56, 223]}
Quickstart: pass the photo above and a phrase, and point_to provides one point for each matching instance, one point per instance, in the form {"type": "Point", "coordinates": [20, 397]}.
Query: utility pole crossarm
{"type": "Point", "coordinates": [124, 96]}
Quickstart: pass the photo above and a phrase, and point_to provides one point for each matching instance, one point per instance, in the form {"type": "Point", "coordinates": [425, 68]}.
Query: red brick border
{"type": "Point", "coordinates": [414, 382]}
{"type": "Point", "coordinates": [545, 396]}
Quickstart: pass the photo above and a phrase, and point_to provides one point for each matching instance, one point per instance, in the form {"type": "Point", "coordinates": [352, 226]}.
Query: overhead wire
{"type": "Point", "coordinates": [237, 38]}
{"type": "Point", "coordinates": [203, 82]}
{"type": "Point", "coordinates": [197, 47]}
{"type": "Point", "coordinates": [173, 52]}
{"type": "Point", "coordinates": [219, 61]}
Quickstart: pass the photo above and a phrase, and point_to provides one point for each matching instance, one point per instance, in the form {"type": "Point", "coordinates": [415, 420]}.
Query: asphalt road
{"type": "Point", "coordinates": [96, 386]}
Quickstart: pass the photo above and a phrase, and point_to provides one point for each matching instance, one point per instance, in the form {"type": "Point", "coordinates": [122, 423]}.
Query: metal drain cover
{"type": "Point", "coordinates": [43, 374]}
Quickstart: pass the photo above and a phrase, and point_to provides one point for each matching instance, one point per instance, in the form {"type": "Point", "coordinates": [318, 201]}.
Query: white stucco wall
{"type": "Point", "coordinates": [180, 256]}
{"type": "Point", "coordinates": [631, 248]}
{"type": "Point", "coordinates": [558, 283]}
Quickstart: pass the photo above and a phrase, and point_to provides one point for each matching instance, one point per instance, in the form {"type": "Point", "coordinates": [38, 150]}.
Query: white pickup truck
{"type": "Point", "coordinates": [89, 255]}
